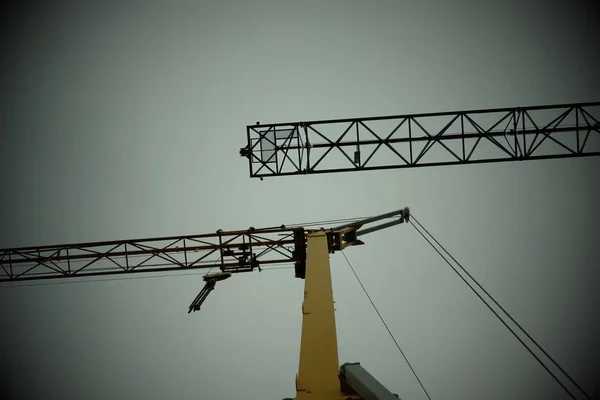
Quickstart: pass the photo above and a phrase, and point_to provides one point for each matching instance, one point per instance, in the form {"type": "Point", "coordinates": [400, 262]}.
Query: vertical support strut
{"type": "Point", "coordinates": [319, 367]}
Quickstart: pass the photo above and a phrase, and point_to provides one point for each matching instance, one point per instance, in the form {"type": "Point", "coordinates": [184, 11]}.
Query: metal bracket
{"type": "Point", "coordinates": [211, 280]}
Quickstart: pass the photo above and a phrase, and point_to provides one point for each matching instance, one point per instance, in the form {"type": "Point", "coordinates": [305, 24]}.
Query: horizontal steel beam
{"type": "Point", "coordinates": [232, 251]}
{"type": "Point", "coordinates": [418, 140]}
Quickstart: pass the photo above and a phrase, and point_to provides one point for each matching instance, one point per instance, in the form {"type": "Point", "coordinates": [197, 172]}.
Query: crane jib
{"type": "Point", "coordinates": [420, 140]}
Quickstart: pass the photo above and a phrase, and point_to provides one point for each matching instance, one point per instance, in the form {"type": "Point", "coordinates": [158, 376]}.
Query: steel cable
{"type": "Point", "coordinates": [496, 314]}
{"type": "Point", "coordinates": [386, 327]}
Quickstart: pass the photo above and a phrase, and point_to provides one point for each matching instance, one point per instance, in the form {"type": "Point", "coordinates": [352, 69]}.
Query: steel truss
{"type": "Point", "coordinates": [234, 251]}
{"type": "Point", "coordinates": [418, 140]}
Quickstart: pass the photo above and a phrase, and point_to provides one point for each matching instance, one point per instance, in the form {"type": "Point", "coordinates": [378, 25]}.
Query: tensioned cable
{"type": "Point", "coordinates": [386, 327]}
{"type": "Point", "coordinates": [99, 280]}
{"type": "Point", "coordinates": [83, 280]}
{"type": "Point", "coordinates": [327, 222]}
{"type": "Point", "coordinates": [495, 313]}
{"type": "Point", "coordinates": [212, 266]}
{"type": "Point", "coordinates": [503, 310]}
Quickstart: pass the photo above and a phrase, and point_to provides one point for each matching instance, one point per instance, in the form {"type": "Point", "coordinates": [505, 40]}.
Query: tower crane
{"type": "Point", "coordinates": [236, 252]}
{"type": "Point", "coordinates": [304, 148]}
{"type": "Point", "coordinates": [409, 141]}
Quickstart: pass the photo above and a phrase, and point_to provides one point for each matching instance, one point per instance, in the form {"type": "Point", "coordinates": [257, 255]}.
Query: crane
{"type": "Point", "coordinates": [305, 148]}
{"type": "Point", "coordinates": [409, 141]}
{"type": "Point", "coordinates": [237, 252]}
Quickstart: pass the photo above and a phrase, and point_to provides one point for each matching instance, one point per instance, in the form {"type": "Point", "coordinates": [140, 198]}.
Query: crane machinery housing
{"type": "Point", "coordinates": [300, 148]}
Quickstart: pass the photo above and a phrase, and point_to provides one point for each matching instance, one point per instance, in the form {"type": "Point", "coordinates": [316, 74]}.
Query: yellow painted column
{"type": "Point", "coordinates": [319, 366]}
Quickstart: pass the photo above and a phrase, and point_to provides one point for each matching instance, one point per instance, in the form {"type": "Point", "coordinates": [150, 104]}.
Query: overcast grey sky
{"type": "Point", "coordinates": [123, 119]}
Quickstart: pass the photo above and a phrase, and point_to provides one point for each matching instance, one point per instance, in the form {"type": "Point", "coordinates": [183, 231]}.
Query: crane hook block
{"type": "Point", "coordinates": [211, 280]}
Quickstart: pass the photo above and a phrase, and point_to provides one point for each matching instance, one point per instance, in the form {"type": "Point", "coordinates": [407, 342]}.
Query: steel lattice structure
{"type": "Point", "coordinates": [418, 140]}
{"type": "Point", "coordinates": [233, 251]}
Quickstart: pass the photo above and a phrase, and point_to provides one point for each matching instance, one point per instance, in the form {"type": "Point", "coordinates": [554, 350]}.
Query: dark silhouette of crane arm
{"type": "Point", "coordinates": [229, 251]}
{"type": "Point", "coordinates": [418, 140]}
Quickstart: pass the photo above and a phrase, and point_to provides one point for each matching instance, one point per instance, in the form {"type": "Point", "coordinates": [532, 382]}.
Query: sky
{"type": "Point", "coordinates": [124, 120]}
